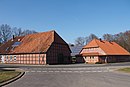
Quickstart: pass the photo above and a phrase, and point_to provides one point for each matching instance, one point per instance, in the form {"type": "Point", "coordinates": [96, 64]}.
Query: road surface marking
{"type": "Point", "coordinates": [62, 71]}
{"type": "Point", "coordinates": [69, 71]}
{"type": "Point", "coordinates": [57, 71]}
{"type": "Point", "coordinates": [94, 71]}
{"type": "Point", "coordinates": [87, 71]}
{"type": "Point", "coordinates": [99, 71]}
{"type": "Point", "coordinates": [72, 70]}
{"type": "Point", "coordinates": [33, 71]}
{"type": "Point", "coordinates": [50, 71]}
{"type": "Point", "coordinates": [44, 71]}
{"type": "Point", "coordinates": [81, 71]}
{"type": "Point", "coordinates": [27, 71]}
{"type": "Point", "coordinates": [39, 71]}
{"type": "Point", "coordinates": [76, 71]}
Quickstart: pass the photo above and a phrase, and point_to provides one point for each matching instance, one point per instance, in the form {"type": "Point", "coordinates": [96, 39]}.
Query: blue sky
{"type": "Point", "coordinates": [70, 18]}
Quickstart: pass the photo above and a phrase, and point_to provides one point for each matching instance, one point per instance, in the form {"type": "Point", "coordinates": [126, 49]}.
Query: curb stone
{"type": "Point", "coordinates": [13, 79]}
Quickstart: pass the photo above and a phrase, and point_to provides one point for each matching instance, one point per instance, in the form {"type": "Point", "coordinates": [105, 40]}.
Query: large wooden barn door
{"type": "Point", "coordinates": [60, 58]}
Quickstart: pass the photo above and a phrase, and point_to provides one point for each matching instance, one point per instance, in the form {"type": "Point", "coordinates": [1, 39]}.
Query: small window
{"type": "Point", "coordinates": [91, 57]}
{"type": "Point", "coordinates": [16, 44]}
{"type": "Point", "coordinates": [7, 49]}
{"type": "Point", "coordinates": [10, 57]}
{"type": "Point", "coordinates": [12, 48]}
{"type": "Point", "coordinates": [6, 58]}
{"type": "Point", "coordinates": [15, 58]}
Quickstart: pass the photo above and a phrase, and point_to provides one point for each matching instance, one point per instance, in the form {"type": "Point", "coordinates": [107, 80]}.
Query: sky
{"type": "Point", "coordinates": [70, 18]}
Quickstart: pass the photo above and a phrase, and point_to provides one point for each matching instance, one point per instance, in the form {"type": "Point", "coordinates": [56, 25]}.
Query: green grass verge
{"type": "Point", "coordinates": [7, 75]}
{"type": "Point", "coordinates": [125, 70]}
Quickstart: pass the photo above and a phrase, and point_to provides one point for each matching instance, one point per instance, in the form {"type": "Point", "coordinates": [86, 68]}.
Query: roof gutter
{"type": "Point", "coordinates": [22, 53]}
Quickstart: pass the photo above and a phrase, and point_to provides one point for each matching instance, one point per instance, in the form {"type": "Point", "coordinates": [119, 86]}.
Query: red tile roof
{"type": "Point", "coordinates": [7, 47]}
{"type": "Point", "coordinates": [38, 42]}
{"type": "Point", "coordinates": [110, 48]}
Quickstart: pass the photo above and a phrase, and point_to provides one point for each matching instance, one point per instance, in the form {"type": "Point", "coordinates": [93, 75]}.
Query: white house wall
{"type": "Point", "coordinates": [93, 50]}
{"type": "Point", "coordinates": [91, 59]}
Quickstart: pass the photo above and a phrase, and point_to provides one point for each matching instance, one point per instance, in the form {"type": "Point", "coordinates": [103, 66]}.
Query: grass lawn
{"type": "Point", "coordinates": [7, 75]}
{"type": "Point", "coordinates": [125, 69]}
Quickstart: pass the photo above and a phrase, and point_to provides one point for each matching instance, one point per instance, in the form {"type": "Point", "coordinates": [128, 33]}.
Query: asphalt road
{"type": "Point", "coordinates": [63, 66]}
{"type": "Point", "coordinates": [70, 76]}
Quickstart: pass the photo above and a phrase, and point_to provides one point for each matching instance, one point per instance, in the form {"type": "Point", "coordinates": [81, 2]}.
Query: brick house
{"type": "Point", "coordinates": [101, 51]}
{"type": "Point", "coordinates": [39, 48]}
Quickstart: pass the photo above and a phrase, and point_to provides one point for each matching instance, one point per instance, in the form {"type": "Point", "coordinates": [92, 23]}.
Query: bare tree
{"type": "Point", "coordinates": [122, 38]}
{"type": "Point", "coordinates": [80, 41]}
{"type": "Point", "coordinates": [17, 31]}
{"type": "Point", "coordinates": [108, 37]}
{"type": "Point", "coordinates": [90, 37]}
{"type": "Point", "coordinates": [5, 32]}
{"type": "Point", "coordinates": [27, 32]}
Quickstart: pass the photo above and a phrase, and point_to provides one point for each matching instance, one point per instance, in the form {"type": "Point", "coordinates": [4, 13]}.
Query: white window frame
{"type": "Point", "coordinates": [11, 57]}
{"type": "Point", "coordinates": [15, 58]}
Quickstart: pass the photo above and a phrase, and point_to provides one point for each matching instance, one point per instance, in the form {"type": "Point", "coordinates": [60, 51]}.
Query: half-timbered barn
{"type": "Point", "coordinates": [39, 48]}
{"type": "Point", "coordinates": [101, 51]}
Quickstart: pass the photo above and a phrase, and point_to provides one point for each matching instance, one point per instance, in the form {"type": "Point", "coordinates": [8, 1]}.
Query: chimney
{"type": "Point", "coordinates": [13, 38]}
{"type": "Point", "coordinates": [100, 40]}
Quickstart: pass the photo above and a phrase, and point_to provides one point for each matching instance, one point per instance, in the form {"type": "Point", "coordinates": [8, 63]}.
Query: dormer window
{"type": "Point", "coordinates": [7, 49]}
{"type": "Point", "coordinates": [16, 44]}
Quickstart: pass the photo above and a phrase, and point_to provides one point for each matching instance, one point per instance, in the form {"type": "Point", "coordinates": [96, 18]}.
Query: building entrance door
{"type": "Point", "coordinates": [60, 58]}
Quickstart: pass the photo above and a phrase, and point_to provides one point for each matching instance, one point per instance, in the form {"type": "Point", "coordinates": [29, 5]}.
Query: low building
{"type": "Point", "coordinates": [39, 48]}
{"type": "Point", "coordinates": [101, 51]}
{"type": "Point", "coordinates": [75, 56]}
